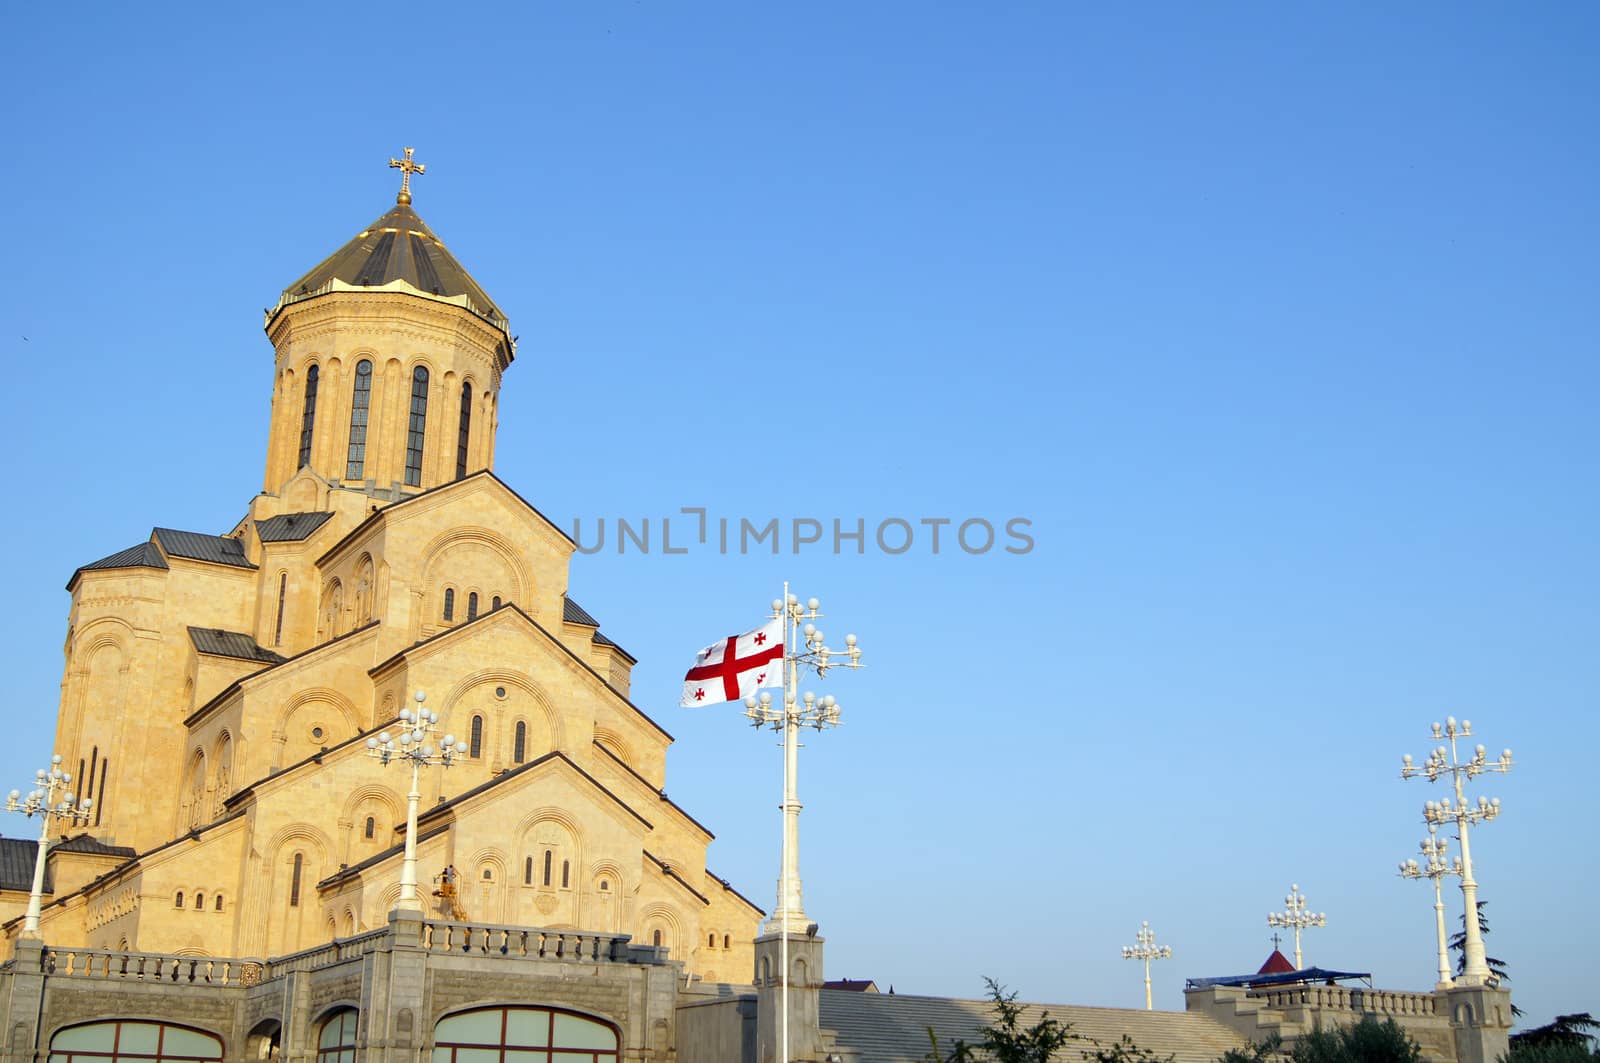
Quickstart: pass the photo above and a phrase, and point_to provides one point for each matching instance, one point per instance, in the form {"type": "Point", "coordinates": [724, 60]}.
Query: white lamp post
{"type": "Point", "coordinates": [1147, 950]}
{"type": "Point", "coordinates": [1296, 916]}
{"type": "Point", "coordinates": [41, 801]}
{"type": "Point", "coordinates": [1436, 867]}
{"type": "Point", "coordinates": [412, 745]}
{"type": "Point", "coordinates": [797, 711]}
{"type": "Point", "coordinates": [1444, 761]}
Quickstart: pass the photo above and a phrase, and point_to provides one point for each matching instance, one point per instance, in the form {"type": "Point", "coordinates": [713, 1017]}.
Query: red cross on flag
{"type": "Point", "coordinates": [736, 667]}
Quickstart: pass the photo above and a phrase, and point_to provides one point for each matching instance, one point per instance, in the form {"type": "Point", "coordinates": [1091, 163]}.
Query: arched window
{"type": "Point", "coordinates": [527, 871]}
{"type": "Point", "coordinates": [566, 874]}
{"type": "Point", "coordinates": [472, 606]}
{"type": "Point", "coordinates": [99, 806]}
{"type": "Point", "coordinates": [547, 859]}
{"type": "Point", "coordinates": [371, 827]}
{"type": "Point", "coordinates": [605, 885]}
{"type": "Point", "coordinates": [177, 902]}
{"type": "Point", "coordinates": [655, 938]}
{"type": "Point", "coordinates": [519, 745]}
{"type": "Point", "coordinates": [308, 417]}
{"type": "Point", "coordinates": [294, 880]}
{"type": "Point", "coordinates": [495, 603]}
{"type": "Point", "coordinates": [419, 418]}
{"type": "Point", "coordinates": [336, 1043]}
{"type": "Point", "coordinates": [711, 942]}
{"type": "Point", "coordinates": [217, 903]}
{"type": "Point", "coordinates": [199, 902]}
{"type": "Point", "coordinates": [488, 874]}
{"type": "Point", "coordinates": [530, 1034]}
{"type": "Point", "coordinates": [475, 749]}
{"type": "Point", "coordinates": [94, 756]}
{"type": "Point", "coordinates": [147, 1042]}
{"type": "Point", "coordinates": [449, 604]}
{"type": "Point", "coordinates": [465, 431]}
{"type": "Point", "coordinates": [726, 941]}
{"type": "Point", "coordinates": [360, 401]}
{"type": "Point", "coordinates": [283, 596]}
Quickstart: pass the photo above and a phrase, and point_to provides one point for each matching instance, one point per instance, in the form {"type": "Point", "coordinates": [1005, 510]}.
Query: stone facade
{"type": "Point", "coordinates": [219, 690]}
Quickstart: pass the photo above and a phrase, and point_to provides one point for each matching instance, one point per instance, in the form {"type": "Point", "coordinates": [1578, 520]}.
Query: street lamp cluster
{"type": "Point", "coordinates": [1147, 950]}
{"type": "Point", "coordinates": [1296, 917]}
{"type": "Point", "coordinates": [411, 746]}
{"type": "Point", "coordinates": [1444, 762]}
{"type": "Point", "coordinates": [41, 801]}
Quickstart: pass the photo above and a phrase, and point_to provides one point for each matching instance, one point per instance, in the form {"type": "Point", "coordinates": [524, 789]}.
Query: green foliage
{"type": "Point", "coordinates": [1266, 1051]}
{"type": "Point", "coordinates": [1551, 1053]}
{"type": "Point", "coordinates": [1006, 1040]}
{"type": "Point", "coordinates": [1124, 1051]}
{"type": "Point", "coordinates": [1567, 1039]}
{"type": "Point", "coordinates": [1367, 1041]}
{"type": "Point", "coordinates": [1497, 967]}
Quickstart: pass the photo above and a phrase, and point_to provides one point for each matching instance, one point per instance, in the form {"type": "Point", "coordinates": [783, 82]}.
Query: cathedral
{"type": "Point", "coordinates": [219, 689]}
{"type": "Point", "coordinates": [244, 863]}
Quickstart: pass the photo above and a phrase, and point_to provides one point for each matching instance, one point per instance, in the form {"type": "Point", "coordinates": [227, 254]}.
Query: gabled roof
{"type": "Point", "coordinates": [219, 643]}
{"type": "Point", "coordinates": [851, 985]}
{"type": "Point", "coordinates": [625, 766]}
{"type": "Point", "coordinates": [555, 755]}
{"type": "Point", "coordinates": [378, 858]}
{"type": "Point", "coordinates": [290, 527]}
{"type": "Point", "coordinates": [513, 607]}
{"type": "Point", "coordinates": [196, 546]}
{"type": "Point", "coordinates": [672, 874]}
{"type": "Point", "coordinates": [385, 512]}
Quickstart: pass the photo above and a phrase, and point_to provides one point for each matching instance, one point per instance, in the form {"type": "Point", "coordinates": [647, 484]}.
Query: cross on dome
{"type": "Point", "coordinates": [406, 167]}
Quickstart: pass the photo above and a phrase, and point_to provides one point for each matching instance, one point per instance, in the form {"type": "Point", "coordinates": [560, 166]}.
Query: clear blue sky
{"type": "Point", "coordinates": [1277, 322]}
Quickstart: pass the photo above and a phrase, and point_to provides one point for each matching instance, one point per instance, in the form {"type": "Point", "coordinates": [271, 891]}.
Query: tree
{"type": "Point", "coordinates": [1006, 1041]}
{"type": "Point", "coordinates": [1269, 1050]}
{"type": "Point", "coordinates": [1567, 1039]}
{"type": "Point", "coordinates": [1497, 967]}
{"type": "Point", "coordinates": [1368, 1041]}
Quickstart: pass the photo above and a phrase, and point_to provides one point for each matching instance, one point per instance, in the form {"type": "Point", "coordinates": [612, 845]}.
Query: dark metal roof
{"type": "Point", "coordinates": [145, 555]}
{"type": "Point", "coordinates": [399, 246]}
{"type": "Point", "coordinates": [217, 549]}
{"type": "Point", "coordinates": [235, 644]}
{"type": "Point", "coordinates": [87, 843]}
{"type": "Point", "coordinates": [1308, 974]}
{"type": "Point", "coordinates": [601, 640]}
{"type": "Point", "coordinates": [290, 527]}
{"type": "Point", "coordinates": [17, 856]}
{"type": "Point", "coordinates": [573, 613]}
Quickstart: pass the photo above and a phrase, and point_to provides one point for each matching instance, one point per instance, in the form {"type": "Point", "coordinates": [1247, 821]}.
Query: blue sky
{"type": "Point", "coordinates": [1277, 323]}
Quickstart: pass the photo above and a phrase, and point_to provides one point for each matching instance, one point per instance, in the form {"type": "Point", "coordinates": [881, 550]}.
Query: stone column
{"type": "Point", "coordinates": [1480, 1018]}
{"type": "Point", "coordinates": [805, 980]}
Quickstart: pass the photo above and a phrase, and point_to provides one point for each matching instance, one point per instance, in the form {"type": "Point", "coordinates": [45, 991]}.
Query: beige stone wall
{"type": "Point", "coordinates": [252, 784]}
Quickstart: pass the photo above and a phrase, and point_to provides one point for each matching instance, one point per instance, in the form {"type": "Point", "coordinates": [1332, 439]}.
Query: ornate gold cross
{"type": "Point", "coordinates": [406, 168]}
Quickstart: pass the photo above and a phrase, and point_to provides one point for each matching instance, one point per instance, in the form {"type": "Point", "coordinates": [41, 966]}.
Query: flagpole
{"type": "Point", "coordinates": [802, 647]}
{"type": "Point", "coordinates": [788, 788]}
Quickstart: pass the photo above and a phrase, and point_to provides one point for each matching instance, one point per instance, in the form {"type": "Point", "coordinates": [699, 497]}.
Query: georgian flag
{"type": "Point", "coordinates": [736, 667]}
